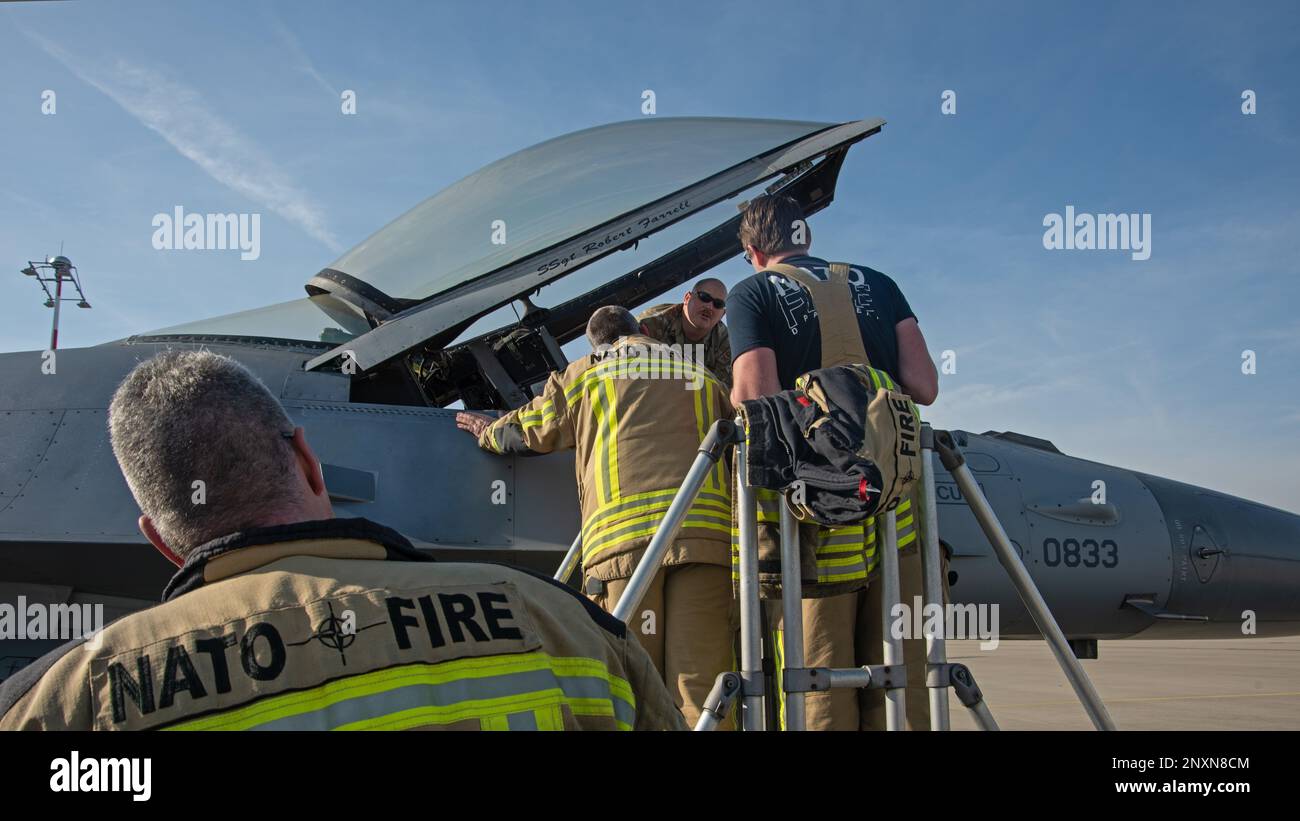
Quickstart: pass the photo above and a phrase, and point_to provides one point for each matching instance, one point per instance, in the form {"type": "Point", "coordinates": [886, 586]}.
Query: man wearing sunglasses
{"type": "Point", "coordinates": [696, 320]}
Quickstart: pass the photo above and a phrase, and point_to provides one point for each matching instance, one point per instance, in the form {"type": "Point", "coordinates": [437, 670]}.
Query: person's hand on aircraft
{"type": "Point", "coordinates": [474, 423]}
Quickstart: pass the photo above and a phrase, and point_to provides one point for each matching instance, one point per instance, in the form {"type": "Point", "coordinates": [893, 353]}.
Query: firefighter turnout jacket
{"type": "Point", "coordinates": [342, 624]}
{"type": "Point", "coordinates": [635, 413]}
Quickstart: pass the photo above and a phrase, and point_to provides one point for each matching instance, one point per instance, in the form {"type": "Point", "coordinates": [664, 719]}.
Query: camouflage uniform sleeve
{"type": "Point", "coordinates": [655, 709]}
{"type": "Point", "coordinates": [654, 324]}
{"type": "Point", "coordinates": [541, 426]}
{"type": "Point", "coordinates": [720, 357]}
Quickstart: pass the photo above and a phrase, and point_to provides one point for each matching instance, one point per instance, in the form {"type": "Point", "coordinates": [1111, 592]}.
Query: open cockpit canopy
{"type": "Point", "coordinates": [529, 219]}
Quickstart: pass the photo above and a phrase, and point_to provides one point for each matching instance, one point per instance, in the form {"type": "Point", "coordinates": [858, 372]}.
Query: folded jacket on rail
{"type": "Point", "coordinates": [837, 446]}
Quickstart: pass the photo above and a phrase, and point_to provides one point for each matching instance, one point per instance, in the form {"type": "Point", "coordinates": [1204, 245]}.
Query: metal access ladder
{"type": "Point", "coordinates": [748, 686]}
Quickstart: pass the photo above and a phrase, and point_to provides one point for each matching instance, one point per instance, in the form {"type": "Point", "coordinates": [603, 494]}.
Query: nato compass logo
{"type": "Point", "coordinates": [337, 633]}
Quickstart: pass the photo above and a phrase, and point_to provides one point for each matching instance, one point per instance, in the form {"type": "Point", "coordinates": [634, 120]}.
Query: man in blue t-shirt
{"type": "Point", "coordinates": [773, 327]}
{"type": "Point", "coordinates": [775, 337]}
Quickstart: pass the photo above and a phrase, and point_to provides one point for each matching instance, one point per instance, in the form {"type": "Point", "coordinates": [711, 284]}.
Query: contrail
{"type": "Point", "coordinates": [177, 113]}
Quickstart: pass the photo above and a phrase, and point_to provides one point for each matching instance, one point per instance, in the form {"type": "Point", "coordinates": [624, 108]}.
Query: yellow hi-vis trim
{"type": "Point", "coordinates": [598, 523]}
{"type": "Point", "coordinates": [611, 435]}
{"type": "Point", "coordinates": [537, 418]}
{"type": "Point", "coordinates": [596, 397]}
{"type": "Point", "coordinates": [643, 526]}
{"type": "Point", "coordinates": [468, 674]}
{"type": "Point", "coordinates": [639, 514]}
{"type": "Point", "coordinates": [778, 653]}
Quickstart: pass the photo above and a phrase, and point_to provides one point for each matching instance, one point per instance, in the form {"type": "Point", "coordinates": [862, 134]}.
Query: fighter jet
{"type": "Point", "coordinates": [392, 333]}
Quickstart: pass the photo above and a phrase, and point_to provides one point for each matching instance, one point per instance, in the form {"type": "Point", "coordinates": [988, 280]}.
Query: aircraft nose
{"type": "Point", "coordinates": [1235, 561]}
{"type": "Point", "coordinates": [1262, 557]}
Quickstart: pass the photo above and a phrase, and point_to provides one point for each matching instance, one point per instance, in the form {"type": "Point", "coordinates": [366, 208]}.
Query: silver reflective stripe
{"type": "Point", "coordinates": [522, 721]}
{"type": "Point", "coordinates": [623, 711]}
{"type": "Point", "coordinates": [446, 694]}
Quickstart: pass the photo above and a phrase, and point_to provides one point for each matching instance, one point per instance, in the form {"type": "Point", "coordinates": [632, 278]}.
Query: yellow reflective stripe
{"type": "Point", "coordinates": [637, 513]}
{"type": "Point", "coordinates": [549, 719]}
{"type": "Point", "coordinates": [841, 577]}
{"type": "Point", "coordinates": [579, 385]}
{"type": "Point", "coordinates": [603, 370]}
{"type": "Point", "coordinates": [778, 647]}
{"type": "Point", "coordinates": [550, 713]}
{"type": "Point", "coordinates": [493, 441]}
{"type": "Point", "coordinates": [854, 546]}
{"type": "Point", "coordinates": [603, 537]}
{"type": "Point", "coordinates": [648, 530]}
{"type": "Point", "coordinates": [840, 561]}
{"type": "Point", "coordinates": [611, 436]}
{"type": "Point", "coordinates": [633, 513]}
{"type": "Point", "coordinates": [676, 369]}
{"type": "Point", "coordinates": [626, 509]}
{"type": "Point", "coordinates": [602, 461]}
{"type": "Point", "coordinates": [460, 670]}
{"type": "Point", "coordinates": [494, 723]}
{"type": "Point", "coordinates": [666, 493]}
{"type": "Point", "coordinates": [617, 504]}
{"type": "Point", "coordinates": [617, 534]}
{"type": "Point", "coordinates": [702, 428]}
{"type": "Point", "coordinates": [537, 418]}
{"type": "Point", "coordinates": [434, 715]}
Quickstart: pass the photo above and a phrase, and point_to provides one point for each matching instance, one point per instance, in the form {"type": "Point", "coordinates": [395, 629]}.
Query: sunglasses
{"type": "Point", "coordinates": [710, 299]}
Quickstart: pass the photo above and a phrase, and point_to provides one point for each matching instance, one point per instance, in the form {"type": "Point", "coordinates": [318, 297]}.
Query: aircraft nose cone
{"type": "Point", "coordinates": [1261, 559]}
{"type": "Point", "coordinates": [1235, 561]}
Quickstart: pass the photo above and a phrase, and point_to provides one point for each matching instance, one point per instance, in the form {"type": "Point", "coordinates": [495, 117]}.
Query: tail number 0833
{"type": "Point", "coordinates": [1075, 553]}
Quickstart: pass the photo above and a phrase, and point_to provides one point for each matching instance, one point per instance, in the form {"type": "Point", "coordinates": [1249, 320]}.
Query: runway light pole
{"type": "Point", "coordinates": [56, 271]}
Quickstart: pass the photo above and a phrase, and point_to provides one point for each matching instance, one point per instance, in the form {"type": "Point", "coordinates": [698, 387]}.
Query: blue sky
{"type": "Point", "coordinates": [1109, 107]}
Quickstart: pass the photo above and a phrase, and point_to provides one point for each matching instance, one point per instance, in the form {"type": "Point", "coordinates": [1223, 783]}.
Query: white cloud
{"type": "Point", "coordinates": [177, 113]}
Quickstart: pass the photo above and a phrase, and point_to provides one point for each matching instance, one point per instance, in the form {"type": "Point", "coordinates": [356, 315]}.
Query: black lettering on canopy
{"type": "Point", "coordinates": [400, 620]}
{"type": "Point", "coordinates": [178, 661]}
{"type": "Point", "coordinates": [141, 692]}
{"type": "Point", "coordinates": [216, 650]}
{"type": "Point", "coordinates": [458, 609]}
{"type": "Point", "coordinates": [248, 652]}
{"type": "Point", "coordinates": [493, 616]}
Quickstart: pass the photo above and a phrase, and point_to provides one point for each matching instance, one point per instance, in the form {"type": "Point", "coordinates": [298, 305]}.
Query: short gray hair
{"type": "Point", "coordinates": [609, 323]}
{"type": "Point", "coordinates": [187, 416]}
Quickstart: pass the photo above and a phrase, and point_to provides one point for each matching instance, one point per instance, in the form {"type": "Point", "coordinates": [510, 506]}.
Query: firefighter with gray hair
{"type": "Point", "coordinates": [266, 574]}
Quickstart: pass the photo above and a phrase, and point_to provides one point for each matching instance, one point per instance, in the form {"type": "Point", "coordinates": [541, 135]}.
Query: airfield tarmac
{"type": "Point", "coordinates": [1236, 684]}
